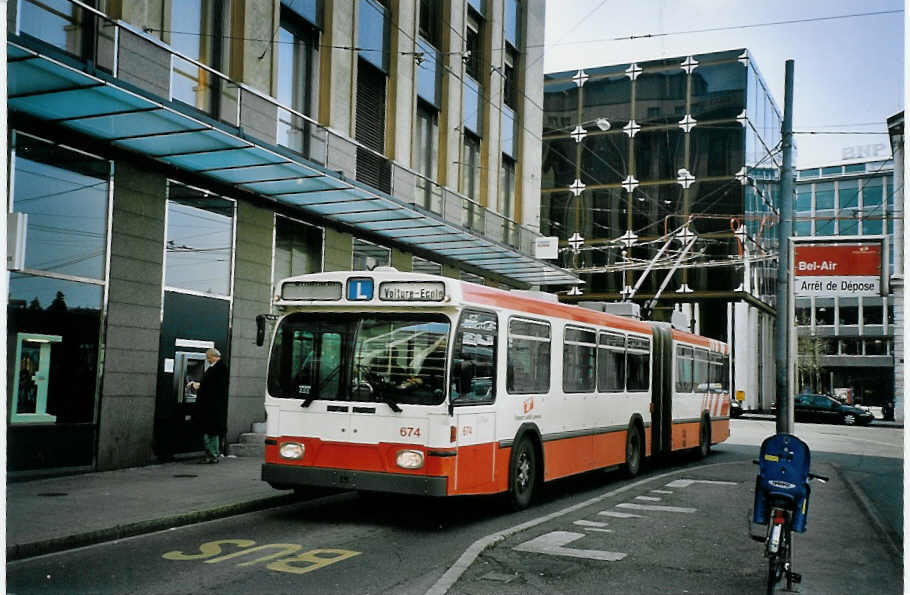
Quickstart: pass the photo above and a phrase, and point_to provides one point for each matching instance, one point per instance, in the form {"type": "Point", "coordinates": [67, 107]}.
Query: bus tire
{"type": "Point", "coordinates": [522, 474]}
{"type": "Point", "coordinates": [633, 451]}
{"type": "Point", "coordinates": [704, 438]}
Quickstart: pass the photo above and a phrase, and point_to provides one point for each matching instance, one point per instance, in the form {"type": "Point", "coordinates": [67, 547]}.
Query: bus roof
{"type": "Point", "coordinates": [388, 287]}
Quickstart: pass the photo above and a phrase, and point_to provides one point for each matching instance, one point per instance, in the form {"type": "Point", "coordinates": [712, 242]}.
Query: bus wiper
{"type": "Point", "coordinates": [388, 400]}
{"type": "Point", "coordinates": [308, 401]}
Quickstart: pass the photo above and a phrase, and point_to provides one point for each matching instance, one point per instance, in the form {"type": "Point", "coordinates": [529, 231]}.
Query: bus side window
{"type": "Point", "coordinates": [474, 358]}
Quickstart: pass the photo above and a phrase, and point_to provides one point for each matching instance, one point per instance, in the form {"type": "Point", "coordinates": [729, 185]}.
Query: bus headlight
{"type": "Point", "coordinates": [409, 459]}
{"type": "Point", "coordinates": [291, 450]}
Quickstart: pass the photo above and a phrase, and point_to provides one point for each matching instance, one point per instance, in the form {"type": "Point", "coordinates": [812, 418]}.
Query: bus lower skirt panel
{"type": "Point", "coordinates": [288, 476]}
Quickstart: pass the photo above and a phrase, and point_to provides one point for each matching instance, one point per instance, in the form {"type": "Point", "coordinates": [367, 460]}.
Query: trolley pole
{"type": "Point", "coordinates": [784, 324]}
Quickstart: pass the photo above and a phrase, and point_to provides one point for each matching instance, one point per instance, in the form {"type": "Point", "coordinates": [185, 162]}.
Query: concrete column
{"type": "Point", "coordinates": [252, 293]}
{"type": "Point", "coordinates": [127, 414]}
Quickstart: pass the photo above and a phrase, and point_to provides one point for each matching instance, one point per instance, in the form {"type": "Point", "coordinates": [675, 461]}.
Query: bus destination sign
{"type": "Point", "coordinates": [311, 290]}
{"type": "Point", "coordinates": [845, 270]}
{"type": "Point", "coordinates": [412, 291]}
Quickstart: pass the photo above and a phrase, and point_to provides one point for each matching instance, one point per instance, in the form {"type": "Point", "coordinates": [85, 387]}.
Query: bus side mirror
{"type": "Point", "coordinates": [260, 330]}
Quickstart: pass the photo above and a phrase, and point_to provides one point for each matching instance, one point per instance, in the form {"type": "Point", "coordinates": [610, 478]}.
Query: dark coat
{"type": "Point", "coordinates": [212, 399]}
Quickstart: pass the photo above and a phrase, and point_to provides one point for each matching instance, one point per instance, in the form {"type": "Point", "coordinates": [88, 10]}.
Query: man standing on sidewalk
{"type": "Point", "coordinates": [211, 404]}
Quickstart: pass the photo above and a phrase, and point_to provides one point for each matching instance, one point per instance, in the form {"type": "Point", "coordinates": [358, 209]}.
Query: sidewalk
{"type": "Point", "coordinates": [61, 513]}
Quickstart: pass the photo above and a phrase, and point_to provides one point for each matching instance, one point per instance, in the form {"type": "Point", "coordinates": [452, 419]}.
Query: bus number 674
{"type": "Point", "coordinates": [409, 432]}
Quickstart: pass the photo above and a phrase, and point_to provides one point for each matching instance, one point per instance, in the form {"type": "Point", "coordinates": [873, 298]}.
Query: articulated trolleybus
{"type": "Point", "coordinates": [418, 384]}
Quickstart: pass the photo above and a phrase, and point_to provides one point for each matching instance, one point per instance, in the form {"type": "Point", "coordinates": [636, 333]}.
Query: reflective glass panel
{"type": "Point", "coordinates": [65, 195]}
{"type": "Point", "coordinates": [66, 318]}
{"type": "Point", "coordinates": [718, 91]}
{"type": "Point", "coordinates": [373, 34]}
{"type": "Point", "coordinates": [57, 22]}
{"type": "Point", "coordinates": [872, 193]}
{"type": "Point", "coordinates": [659, 154]}
{"type": "Point", "coordinates": [200, 236]}
{"type": "Point", "coordinates": [848, 193]}
{"type": "Point", "coordinates": [824, 196]}
{"type": "Point", "coordinates": [660, 97]}
{"type": "Point", "coordinates": [608, 99]}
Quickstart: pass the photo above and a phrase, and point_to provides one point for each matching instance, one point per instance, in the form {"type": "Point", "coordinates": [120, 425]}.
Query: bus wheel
{"type": "Point", "coordinates": [633, 452]}
{"type": "Point", "coordinates": [704, 438]}
{"type": "Point", "coordinates": [522, 475]}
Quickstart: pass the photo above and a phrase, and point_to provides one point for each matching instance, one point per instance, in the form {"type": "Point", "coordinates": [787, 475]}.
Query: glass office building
{"type": "Point", "coordinates": [636, 153]}
{"type": "Point", "coordinates": [846, 343]}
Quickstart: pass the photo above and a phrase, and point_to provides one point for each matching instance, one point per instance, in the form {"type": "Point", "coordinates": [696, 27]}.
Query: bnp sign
{"type": "Point", "coordinates": [845, 269]}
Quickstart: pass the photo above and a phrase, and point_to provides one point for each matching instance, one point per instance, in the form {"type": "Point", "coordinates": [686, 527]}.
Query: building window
{"type": "Point", "coordinates": [296, 42]}
{"type": "Point", "coordinates": [200, 30]}
{"type": "Point", "coordinates": [373, 33]}
{"type": "Point", "coordinates": [298, 250]}
{"type": "Point", "coordinates": [428, 267]}
{"type": "Point", "coordinates": [473, 40]}
{"type": "Point", "coordinates": [470, 167]}
{"type": "Point", "coordinates": [61, 24]}
{"type": "Point", "coordinates": [200, 241]}
{"type": "Point", "coordinates": [430, 24]}
{"type": "Point", "coordinates": [55, 303]}
{"type": "Point", "coordinates": [426, 150]}
{"type": "Point", "coordinates": [65, 197]}
{"type": "Point", "coordinates": [512, 24]}
{"type": "Point", "coordinates": [848, 315]}
{"type": "Point", "coordinates": [506, 204]}
{"type": "Point", "coordinates": [824, 316]}
{"type": "Point", "coordinates": [368, 256]}
{"type": "Point", "coordinates": [872, 313]}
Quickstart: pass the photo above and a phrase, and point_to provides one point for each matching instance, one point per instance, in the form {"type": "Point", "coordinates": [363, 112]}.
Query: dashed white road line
{"type": "Point", "coordinates": [684, 483]}
{"type": "Point", "coordinates": [583, 523]}
{"type": "Point", "coordinates": [656, 508]}
{"type": "Point", "coordinates": [450, 576]}
{"type": "Point", "coordinates": [619, 515]}
{"type": "Point", "coordinates": [648, 498]}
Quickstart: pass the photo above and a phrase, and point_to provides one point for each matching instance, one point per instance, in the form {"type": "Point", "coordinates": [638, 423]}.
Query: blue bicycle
{"type": "Point", "coordinates": [782, 502]}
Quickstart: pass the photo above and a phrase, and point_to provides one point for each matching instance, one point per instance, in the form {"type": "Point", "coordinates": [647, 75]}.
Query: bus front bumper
{"type": "Point", "coordinates": [287, 476]}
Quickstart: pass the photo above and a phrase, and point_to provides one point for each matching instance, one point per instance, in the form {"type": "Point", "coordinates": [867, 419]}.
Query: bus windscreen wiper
{"type": "Point", "coordinates": [388, 400]}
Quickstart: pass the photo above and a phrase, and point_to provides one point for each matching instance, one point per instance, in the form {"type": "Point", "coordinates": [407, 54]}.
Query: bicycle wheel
{"type": "Point", "coordinates": [787, 552]}
{"type": "Point", "coordinates": [773, 575]}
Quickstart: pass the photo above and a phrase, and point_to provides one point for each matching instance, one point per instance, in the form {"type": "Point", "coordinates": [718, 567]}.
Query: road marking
{"type": "Point", "coordinates": [596, 530]}
{"type": "Point", "coordinates": [648, 498]}
{"type": "Point", "coordinates": [290, 560]}
{"type": "Point", "coordinates": [584, 523]}
{"type": "Point", "coordinates": [619, 515]}
{"type": "Point", "coordinates": [661, 492]}
{"type": "Point", "coordinates": [464, 561]}
{"type": "Point", "coordinates": [684, 483]}
{"type": "Point", "coordinates": [554, 543]}
{"type": "Point", "coordinates": [656, 508]}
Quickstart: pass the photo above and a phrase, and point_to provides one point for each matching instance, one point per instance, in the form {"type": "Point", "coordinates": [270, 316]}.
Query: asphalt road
{"type": "Point", "coordinates": [350, 543]}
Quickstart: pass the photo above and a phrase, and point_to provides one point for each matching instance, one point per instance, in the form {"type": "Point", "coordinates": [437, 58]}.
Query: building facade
{"type": "Point", "coordinates": [847, 343]}
{"type": "Point", "coordinates": [661, 181]}
{"type": "Point", "coordinates": [171, 160]}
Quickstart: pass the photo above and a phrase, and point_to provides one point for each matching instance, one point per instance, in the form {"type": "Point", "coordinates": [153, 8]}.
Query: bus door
{"type": "Point", "coordinates": [662, 389]}
{"type": "Point", "coordinates": [472, 392]}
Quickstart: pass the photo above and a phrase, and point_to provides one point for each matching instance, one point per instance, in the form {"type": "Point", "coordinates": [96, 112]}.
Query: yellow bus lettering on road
{"type": "Point", "coordinates": [313, 560]}
{"type": "Point", "coordinates": [208, 549]}
{"type": "Point", "coordinates": [284, 549]}
{"type": "Point", "coordinates": [296, 564]}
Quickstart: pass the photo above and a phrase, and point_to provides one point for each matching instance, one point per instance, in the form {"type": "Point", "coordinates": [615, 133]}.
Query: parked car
{"type": "Point", "coordinates": [825, 409]}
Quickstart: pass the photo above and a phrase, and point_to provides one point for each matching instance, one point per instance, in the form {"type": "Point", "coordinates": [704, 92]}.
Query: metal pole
{"type": "Point", "coordinates": [784, 231]}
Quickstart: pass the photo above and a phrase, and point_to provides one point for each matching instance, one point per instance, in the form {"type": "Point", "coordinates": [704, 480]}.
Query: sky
{"type": "Point", "coordinates": [848, 72]}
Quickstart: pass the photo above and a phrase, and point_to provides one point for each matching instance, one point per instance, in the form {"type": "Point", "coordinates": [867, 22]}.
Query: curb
{"type": "Point", "coordinates": [869, 510]}
{"type": "Point", "coordinates": [23, 551]}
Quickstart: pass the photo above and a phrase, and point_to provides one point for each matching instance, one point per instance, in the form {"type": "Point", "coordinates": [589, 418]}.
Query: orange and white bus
{"type": "Point", "coordinates": [411, 383]}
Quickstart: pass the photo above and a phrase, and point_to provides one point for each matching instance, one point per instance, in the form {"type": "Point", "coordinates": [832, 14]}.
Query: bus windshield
{"type": "Point", "coordinates": [393, 358]}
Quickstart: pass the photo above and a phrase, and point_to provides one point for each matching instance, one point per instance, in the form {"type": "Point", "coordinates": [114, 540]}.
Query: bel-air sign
{"type": "Point", "coordinates": [845, 270]}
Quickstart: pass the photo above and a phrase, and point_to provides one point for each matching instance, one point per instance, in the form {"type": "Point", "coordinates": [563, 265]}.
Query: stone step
{"type": "Point", "coordinates": [247, 450]}
{"type": "Point", "coordinates": [252, 438]}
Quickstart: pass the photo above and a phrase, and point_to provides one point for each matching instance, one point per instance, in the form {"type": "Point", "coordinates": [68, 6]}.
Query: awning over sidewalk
{"type": "Point", "coordinates": [49, 90]}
